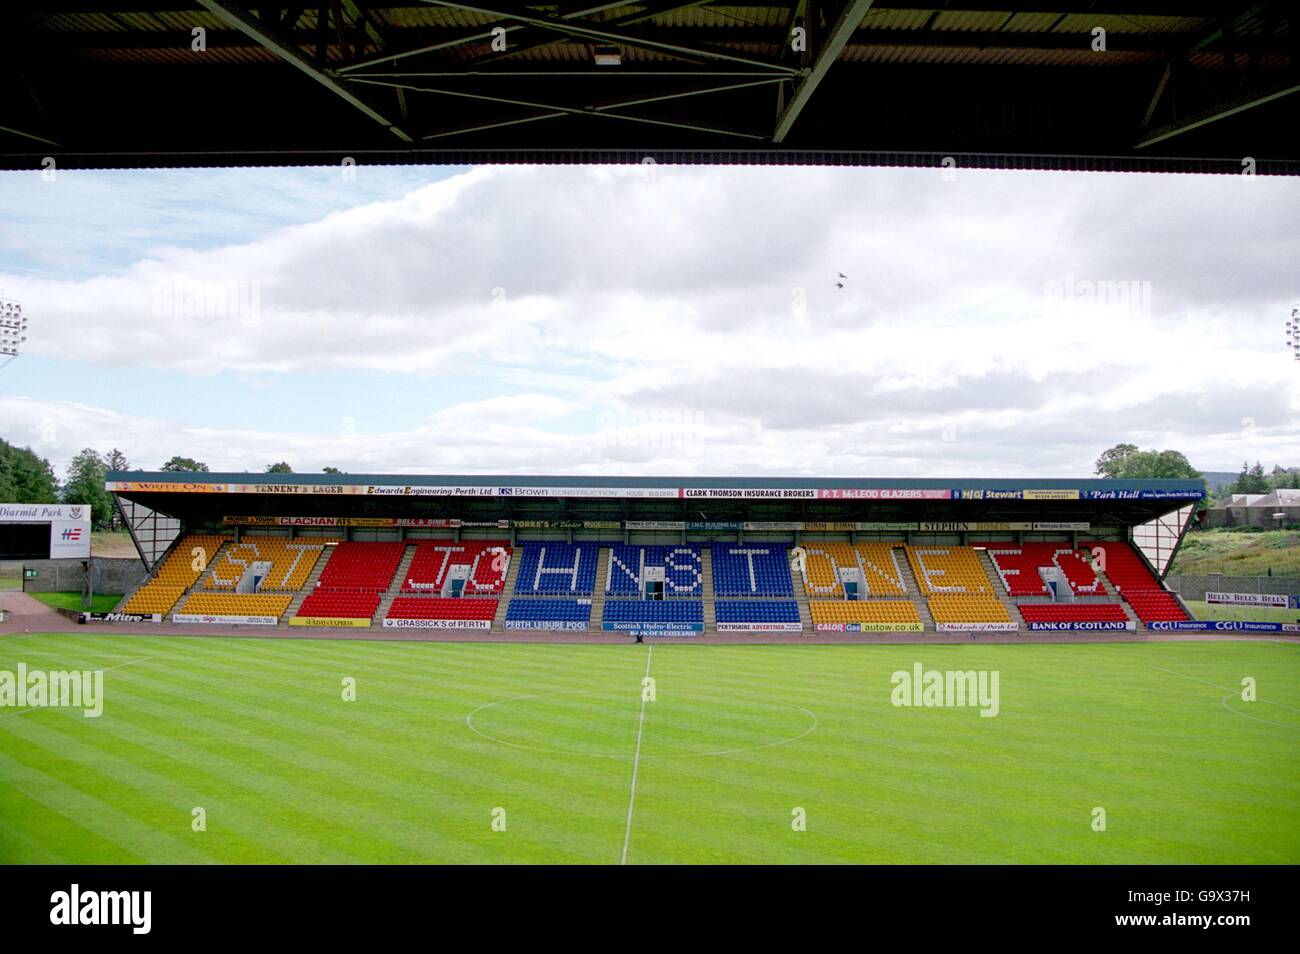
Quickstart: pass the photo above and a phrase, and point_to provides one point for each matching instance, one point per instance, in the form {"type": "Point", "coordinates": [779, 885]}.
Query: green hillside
{"type": "Point", "coordinates": [1239, 553]}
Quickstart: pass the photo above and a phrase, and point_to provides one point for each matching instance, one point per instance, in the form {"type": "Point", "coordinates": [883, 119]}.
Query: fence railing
{"type": "Point", "coordinates": [1191, 587]}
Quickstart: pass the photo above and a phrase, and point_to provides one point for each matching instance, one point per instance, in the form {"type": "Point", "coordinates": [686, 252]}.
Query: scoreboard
{"type": "Point", "coordinates": [44, 531]}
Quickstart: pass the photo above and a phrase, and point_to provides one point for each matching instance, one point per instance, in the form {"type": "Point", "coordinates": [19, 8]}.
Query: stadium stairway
{"type": "Point", "coordinates": [801, 598]}
{"type": "Point", "coordinates": [598, 592]}
{"type": "Point", "coordinates": [1111, 592]}
{"type": "Point", "coordinates": [178, 544]}
{"type": "Point", "coordinates": [153, 572]}
{"type": "Point", "coordinates": [507, 590]}
{"type": "Point", "coordinates": [309, 587]}
{"type": "Point", "coordinates": [914, 592]}
{"type": "Point", "coordinates": [1000, 591]}
{"type": "Point", "coordinates": [204, 582]}
{"type": "Point", "coordinates": [706, 584]}
{"type": "Point", "coordinates": [395, 587]}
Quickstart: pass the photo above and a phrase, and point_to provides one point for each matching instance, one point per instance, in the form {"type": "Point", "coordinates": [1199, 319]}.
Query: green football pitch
{"type": "Point", "coordinates": [474, 752]}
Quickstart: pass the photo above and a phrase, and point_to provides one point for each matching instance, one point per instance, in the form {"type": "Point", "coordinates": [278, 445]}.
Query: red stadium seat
{"type": "Point", "coordinates": [1072, 612]}
{"type": "Point", "coordinates": [353, 581]}
{"type": "Point", "coordinates": [423, 607]}
{"type": "Point", "coordinates": [433, 558]}
{"type": "Point", "coordinates": [1137, 585]}
{"type": "Point", "coordinates": [1018, 564]}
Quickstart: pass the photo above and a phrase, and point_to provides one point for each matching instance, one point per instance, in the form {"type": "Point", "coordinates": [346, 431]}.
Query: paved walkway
{"type": "Point", "coordinates": [28, 615]}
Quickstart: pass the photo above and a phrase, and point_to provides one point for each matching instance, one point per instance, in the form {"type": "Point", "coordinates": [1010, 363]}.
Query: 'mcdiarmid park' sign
{"type": "Point", "coordinates": [69, 526]}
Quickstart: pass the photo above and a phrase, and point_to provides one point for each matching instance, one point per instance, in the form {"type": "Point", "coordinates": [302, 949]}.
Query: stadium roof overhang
{"type": "Point", "coordinates": [207, 497]}
{"type": "Point", "coordinates": [1189, 85]}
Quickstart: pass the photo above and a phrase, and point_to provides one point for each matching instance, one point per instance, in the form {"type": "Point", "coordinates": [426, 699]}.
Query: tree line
{"type": "Point", "coordinates": [26, 477]}
{"type": "Point", "coordinates": [1126, 461]}
{"type": "Point", "coordinates": [1253, 480]}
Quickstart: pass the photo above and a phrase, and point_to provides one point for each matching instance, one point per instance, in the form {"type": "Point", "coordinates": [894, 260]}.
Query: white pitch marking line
{"type": "Point", "coordinates": [1233, 692]}
{"type": "Point", "coordinates": [636, 759]}
{"type": "Point", "coordinates": [1184, 675]}
{"type": "Point", "coordinates": [131, 662]}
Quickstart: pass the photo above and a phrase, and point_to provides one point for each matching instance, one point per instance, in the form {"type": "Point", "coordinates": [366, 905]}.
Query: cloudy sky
{"type": "Point", "coordinates": [652, 320]}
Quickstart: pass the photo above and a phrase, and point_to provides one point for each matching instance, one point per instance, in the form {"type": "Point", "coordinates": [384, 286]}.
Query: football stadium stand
{"type": "Point", "coordinates": [353, 581]}
{"type": "Point", "coordinates": [629, 554]}
{"type": "Point", "coordinates": [880, 567]}
{"type": "Point", "coordinates": [175, 574]}
{"type": "Point", "coordinates": [877, 561]}
{"type": "Point", "coordinates": [488, 562]}
{"type": "Point", "coordinates": [951, 580]}
{"type": "Point", "coordinates": [361, 567]}
{"type": "Point", "coordinates": [552, 568]}
{"type": "Point", "coordinates": [1137, 585]}
{"type": "Point", "coordinates": [1018, 567]}
{"type": "Point", "coordinates": [752, 569]}
{"type": "Point", "coordinates": [291, 563]}
{"type": "Point", "coordinates": [948, 570]}
{"type": "Point", "coordinates": [683, 569]}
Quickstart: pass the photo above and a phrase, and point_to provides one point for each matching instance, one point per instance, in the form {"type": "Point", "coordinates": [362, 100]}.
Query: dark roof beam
{"type": "Point", "coordinates": [468, 36]}
{"type": "Point", "coordinates": [828, 52]}
{"type": "Point", "coordinates": [604, 110]}
{"type": "Point", "coordinates": [626, 20]}
{"type": "Point", "coordinates": [270, 38]}
{"type": "Point", "coordinates": [642, 41]}
{"type": "Point", "coordinates": [1215, 113]}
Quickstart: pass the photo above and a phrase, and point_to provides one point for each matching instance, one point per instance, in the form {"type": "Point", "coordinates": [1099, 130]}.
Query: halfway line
{"type": "Point", "coordinates": [636, 760]}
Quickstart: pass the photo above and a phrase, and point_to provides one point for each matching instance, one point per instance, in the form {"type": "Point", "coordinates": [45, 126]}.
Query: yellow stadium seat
{"type": "Point", "coordinates": [177, 573]}
{"type": "Point", "coordinates": [292, 562]}
{"type": "Point", "coordinates": [864, 611]}
{"type": "Point", "coordinates": [880, 566]}
{"type": "Point", "coordinates": [876, 560]}
{"type": "Point", "coordinates": [236, 604]}
{"type": "Point", "coordinates": [962, 608]}
{"type": "Point", "coordinates": [948, 570]}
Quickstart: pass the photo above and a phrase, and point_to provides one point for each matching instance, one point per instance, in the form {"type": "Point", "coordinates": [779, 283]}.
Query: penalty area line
{"type": "Point", "coordinates": [636, 759]}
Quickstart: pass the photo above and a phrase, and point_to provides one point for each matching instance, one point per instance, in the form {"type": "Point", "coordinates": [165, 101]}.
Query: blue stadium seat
{"type": "Point", "coordinates": [758, 611]}
{"type": "Point", "coordinates": [683, 569]}
{"type": "Point", "coordinates": [532, 610]}
{"type": "Point", "coordinates": [554, 568]}
{"type": "Point", "coordinates": [751, 569]}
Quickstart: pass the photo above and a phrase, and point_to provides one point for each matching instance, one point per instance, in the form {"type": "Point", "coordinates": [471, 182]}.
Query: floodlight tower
{"type": "Point", "coordinates": [13, 329]}
{"type": "Point", "coordinates": [1293, 332]}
